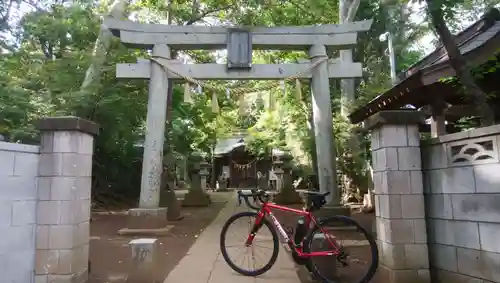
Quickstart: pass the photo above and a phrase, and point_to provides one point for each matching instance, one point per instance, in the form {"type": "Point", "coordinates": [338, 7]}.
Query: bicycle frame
{"type": "Point", "coordinates": [298, 249]}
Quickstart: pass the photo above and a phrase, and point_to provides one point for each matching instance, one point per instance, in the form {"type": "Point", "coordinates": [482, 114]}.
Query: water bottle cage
{"type": "Point", "coordinates": [300, 233]}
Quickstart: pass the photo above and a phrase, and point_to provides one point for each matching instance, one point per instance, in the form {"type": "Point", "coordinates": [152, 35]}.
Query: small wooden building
{"type": "Point", "coordinates": [237, 164]}
{"type": "Point", "coordinates": [443, 103]}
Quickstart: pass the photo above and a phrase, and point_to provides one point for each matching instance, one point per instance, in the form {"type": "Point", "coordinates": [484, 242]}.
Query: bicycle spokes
{"type": "Point", "coordinates": [248, 250]}
{"type": "Point", "coordinates": [346, 254]}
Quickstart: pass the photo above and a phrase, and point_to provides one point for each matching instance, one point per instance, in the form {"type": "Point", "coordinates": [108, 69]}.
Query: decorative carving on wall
{"type": "Point", "coordinates": [473, 151]}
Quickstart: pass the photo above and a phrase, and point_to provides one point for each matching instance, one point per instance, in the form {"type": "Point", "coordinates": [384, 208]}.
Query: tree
{"type": "Point", "coordinates": [439, 10]}
{"type": "Point", "coordinates": [58, 39]}
{"type": "Point", "coordinates": [347, 12]}
{"type": "Point", "coordinates": [102, 46]}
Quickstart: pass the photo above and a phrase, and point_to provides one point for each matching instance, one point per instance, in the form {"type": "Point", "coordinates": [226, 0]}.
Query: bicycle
{"type": "Point", "coordinates": [306, 230]}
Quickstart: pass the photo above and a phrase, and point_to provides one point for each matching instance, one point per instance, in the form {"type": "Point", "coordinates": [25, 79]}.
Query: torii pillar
{"type": "Point", "coordinates": [152, 164]}
{"type": "Point", "coordinates": [323, 132]}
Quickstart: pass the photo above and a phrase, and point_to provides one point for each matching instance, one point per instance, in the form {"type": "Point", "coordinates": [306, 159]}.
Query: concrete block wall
{"type": "Point", "coordinates": [45, 204]}
{"type": "Point", "coordinates": [18, 204]}
{"type": "Point", "coordinates": [462, 195]}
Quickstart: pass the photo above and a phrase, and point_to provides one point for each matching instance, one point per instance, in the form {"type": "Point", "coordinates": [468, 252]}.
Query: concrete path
{"type": "Point", "coordinates": [205, 264]}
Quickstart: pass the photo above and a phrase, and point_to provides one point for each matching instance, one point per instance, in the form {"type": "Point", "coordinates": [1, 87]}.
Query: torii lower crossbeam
{"type": "Point", "coordinates": [142, 70]}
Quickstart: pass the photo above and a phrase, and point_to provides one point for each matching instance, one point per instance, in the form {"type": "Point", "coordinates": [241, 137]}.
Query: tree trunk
{"type": "Point", "coordinates": [314, 155]}
{"type": "Point", "coordinates": [347, 11]}
{"type": "Point", "coordinates": [101, 47]}
{"type": "Point", "coordinates": [458, 63]}
{"type": "Point", "coordinates": [174, 207]}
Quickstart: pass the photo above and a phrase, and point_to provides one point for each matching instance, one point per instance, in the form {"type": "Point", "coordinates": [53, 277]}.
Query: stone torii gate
{"type": "Point", "coordinates": [239, 42]}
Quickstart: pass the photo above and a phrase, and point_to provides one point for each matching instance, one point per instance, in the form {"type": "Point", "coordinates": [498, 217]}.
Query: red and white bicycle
{"type": "Point", "coordinates": [358, 252]}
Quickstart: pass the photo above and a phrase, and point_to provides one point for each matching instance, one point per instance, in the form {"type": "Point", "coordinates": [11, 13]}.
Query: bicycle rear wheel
{"type": "Point", "coordinates": [265, 234]}
{"type": "Point", "coordinates": [357, 260]}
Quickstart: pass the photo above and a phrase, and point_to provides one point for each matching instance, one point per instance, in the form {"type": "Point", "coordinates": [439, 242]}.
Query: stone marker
{"type": "Point", "coordinates": [143, 267]}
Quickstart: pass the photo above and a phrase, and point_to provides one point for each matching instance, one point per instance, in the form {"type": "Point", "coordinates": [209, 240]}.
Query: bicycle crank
{"type": "Point", "coordinates": [342, 258]}
{"type": "Point", "coordinates": [298, 259]}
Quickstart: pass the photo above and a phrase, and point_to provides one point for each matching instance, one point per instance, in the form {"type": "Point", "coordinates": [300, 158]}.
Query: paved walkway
{"type": "Point", "coordinates": [205, 264]}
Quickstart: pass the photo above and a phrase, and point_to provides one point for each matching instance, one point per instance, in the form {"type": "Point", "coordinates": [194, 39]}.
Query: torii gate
{"type": "Point", "coordinates": [239, 43]}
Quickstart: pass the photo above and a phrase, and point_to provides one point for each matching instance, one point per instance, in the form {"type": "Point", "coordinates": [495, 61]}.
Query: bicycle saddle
{"type": "Point", "coordinates": [314, 193]}
{"type": "Point", "coordinates": [315, 200]}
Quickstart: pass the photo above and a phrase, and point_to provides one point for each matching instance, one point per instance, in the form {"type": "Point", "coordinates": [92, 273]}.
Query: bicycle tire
{"type": "Point", "coordinates": [348, 221]}
{"type": "Point", "coordinates": [233, 266]}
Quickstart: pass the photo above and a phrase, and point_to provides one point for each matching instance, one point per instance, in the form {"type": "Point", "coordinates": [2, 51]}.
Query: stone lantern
{"type": "Point", "coordinates": [278, 171]}
{"type": "Point", "coordinates": [287, 194]}
{"type": "Point", "coordinates": [204, 166]}
{"type": "Point", "coordinates": [196, 196]}
{"type": "Point", "coordinates": [194, 173]}
{"type": "Point", "coordinates": [287, 171]}
{"type": "Point", "coordinates": [178, 168]}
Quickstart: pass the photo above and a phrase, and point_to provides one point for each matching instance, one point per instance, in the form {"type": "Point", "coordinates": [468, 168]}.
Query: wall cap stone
{"type": "Point", "coordinates": [470, 134]}
{"type": "Point", "coordinates": [19, 147]}
{"type": "Point", "coordinates": [394, 117]}
{"type": "Point", "coordinates": [67, 123]}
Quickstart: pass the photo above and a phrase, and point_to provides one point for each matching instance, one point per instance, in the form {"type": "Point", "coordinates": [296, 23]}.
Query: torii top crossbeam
{"type": "Point", "coordinates": [141, 35]}
{"type": "Point", "coordinates": [146, 36]}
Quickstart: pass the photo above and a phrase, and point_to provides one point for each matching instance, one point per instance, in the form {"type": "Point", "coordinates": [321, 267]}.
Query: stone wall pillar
{"type": "Point", "coordinates": [63, 213]}
{"type": "Point", "coordinates": [399, 198]}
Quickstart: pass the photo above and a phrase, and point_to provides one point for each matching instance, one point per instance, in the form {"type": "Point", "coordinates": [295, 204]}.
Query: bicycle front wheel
{"type": "Point", "coordinates": [254, 259]}
{"type": "Point", "coordinates": [353, 253]}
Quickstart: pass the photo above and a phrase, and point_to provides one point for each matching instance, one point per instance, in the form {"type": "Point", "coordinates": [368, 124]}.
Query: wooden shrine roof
{"type": "Point", "coordinates": [420, 83]}
{"type": "Point", "coordinates": [228, 144]}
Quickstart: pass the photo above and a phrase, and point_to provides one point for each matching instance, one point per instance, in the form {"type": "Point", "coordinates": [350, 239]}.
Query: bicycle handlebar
{"type": "Point", "coordinates": [255, 194]}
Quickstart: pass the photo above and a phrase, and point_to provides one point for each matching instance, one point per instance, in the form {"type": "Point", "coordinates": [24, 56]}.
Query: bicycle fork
{"type": "Point", "coordinates": [256, 226]}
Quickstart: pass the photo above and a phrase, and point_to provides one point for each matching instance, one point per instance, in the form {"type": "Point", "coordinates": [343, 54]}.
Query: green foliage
{"type": "Point", "coordinates": [43, 77]}
{"type": "Point", "coordinates": [51, 50]}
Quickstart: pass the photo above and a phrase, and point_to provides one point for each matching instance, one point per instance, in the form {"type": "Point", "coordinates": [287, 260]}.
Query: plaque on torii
{"type": "Point", "coordinates": [239, 42]}
{"type": "Point", "coordinates": [239, 49]}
